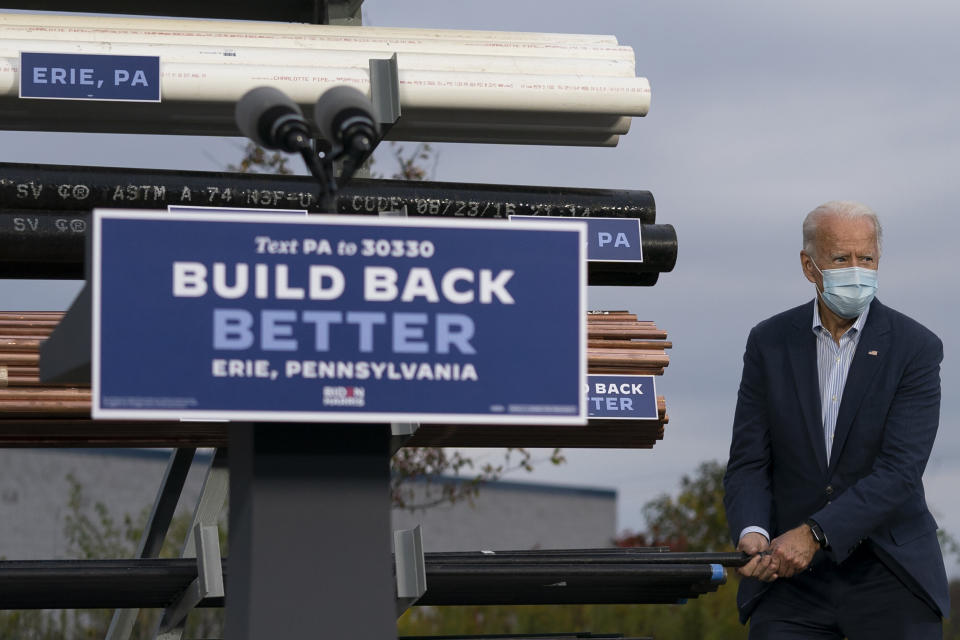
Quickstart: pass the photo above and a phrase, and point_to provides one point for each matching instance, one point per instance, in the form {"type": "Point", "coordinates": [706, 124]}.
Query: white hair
{"type": "Point", "coordinates": [845, 209]}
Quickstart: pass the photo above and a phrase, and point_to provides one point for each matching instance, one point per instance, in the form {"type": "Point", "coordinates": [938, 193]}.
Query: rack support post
{"type": "Point", "coordinates": [309, 532]}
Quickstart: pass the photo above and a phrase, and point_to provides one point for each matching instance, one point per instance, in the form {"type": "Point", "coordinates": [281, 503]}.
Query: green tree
{"type": "Point", "coordinates": [693, 520]}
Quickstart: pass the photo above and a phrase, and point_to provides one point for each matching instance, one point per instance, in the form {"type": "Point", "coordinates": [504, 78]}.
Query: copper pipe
{"type": "Point", "coordinates": [19, 381]}
{"type": "Point", "coordinates": [30, 315]}
{"type": "Point", "coordinates": [38, 338]}
{"type": "Point", "coordinates": [32, 413]}
{"type": "Point", "coordinates": [627, 344]}
{"type": "Point", "coordinates": [625, 372]}
{"type": "Point", "coordinates": [44, 394]}
{"type": "Point", "coordinates": [20, 358]}
{"type": "Point", "coordinates": [19, 320]}
{"type": "Point", "coordinates": [84, 432]}
{"type": "Point", "coordinates": [626, 332]}
{"type": "Point", "coordinates": [628, 356]}
{"type": "Point", "coordinates": [617, 324]}
{"type": "Point", "coordinates": [15, 370]}
{"type": "Point", "coordinates": [22, 331]}
{"type": "Point", "coordinates": [611, 317]}
{"type": "Point", "coordinates": [16, 376]}
{"type": "Point", "coordinates": [11, 408]}
{"type": "Point", "coordinates": [18, 343]}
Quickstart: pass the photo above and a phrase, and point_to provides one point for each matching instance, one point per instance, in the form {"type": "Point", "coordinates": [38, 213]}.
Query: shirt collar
{"type": "Point", "coordinates": [852, 331]}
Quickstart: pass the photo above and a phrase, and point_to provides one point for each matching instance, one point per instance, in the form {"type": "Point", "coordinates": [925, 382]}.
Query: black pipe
{"type": "Point", "coordinates": [550, 553]}
{"type": "Point", "coordinates": [62, 188]}
{"type": "Point", "coordinates": [538, 574]}
{"type": "Point", "coordinates": [622, 556]}
{"type": "Point", "coordinates": [93, 584]}
{"type": "Point", "coordinates": [484, 584]}
{"type": "Point", "coordinates": [51, 244]}
{"type": "Point", "coordinates": [443, 596]}
{"type": "Point", "coordinates": [243, 10]}
{"type": "Point", "coordinates": [69, 584]}
{"type": "Point", "coordinates": [42, 209]}
{"type": "Point", "coordinates": [537, 636]}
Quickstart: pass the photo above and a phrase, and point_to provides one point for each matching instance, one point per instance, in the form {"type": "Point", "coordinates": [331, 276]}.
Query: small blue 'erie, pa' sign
{"type": "Point", "coordinates": [608, 239]}
{"type": "Point", "coordinates": [81, 76]}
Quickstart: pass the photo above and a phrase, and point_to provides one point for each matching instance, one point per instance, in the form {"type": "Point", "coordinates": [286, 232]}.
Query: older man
{"type": "Point", "coordinates": [836, 415]}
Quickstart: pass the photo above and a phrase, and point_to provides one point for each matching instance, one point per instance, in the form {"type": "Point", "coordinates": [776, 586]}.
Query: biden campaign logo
{"type": "Point", "coordinates": [344, 396]}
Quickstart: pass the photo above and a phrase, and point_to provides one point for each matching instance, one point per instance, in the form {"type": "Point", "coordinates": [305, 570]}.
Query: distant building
{"type": "Point", "coordinates": [34, 495]}
{"type": "Point", "coordinates": [516, 515]}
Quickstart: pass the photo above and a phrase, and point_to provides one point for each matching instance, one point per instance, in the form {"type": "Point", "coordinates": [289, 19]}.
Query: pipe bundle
{"type": "Point", "coordinates": [21, 393]}
{"type": "Point", "coordinates": [573, 576]}
{"type": "Point", "coordinates": [94, 584]}
{"type": "Point", "coordinates": [619, 343]}
{"type": "Point", "coordinates": [454, 86]}
{"type": "Point", "coordinates": [604, 555]}
{"type": "Point", "coordinates": [460, 584]}
{"type": "Point", "coordinates": [35, 413]}
{"type": "Point", "coordinates": [535, 636]}
{"type": "Point", "coordinates": [52, 245]}
{"type": "Point", "coordinates": [44, 210]}
{"type": "Point", "coordinates": [65, 188]}
{"type": "Point", "coordinates": [586, 576]}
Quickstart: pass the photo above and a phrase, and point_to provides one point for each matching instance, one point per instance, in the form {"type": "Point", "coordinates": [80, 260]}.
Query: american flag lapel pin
{"type": "Point", "coordinates": [872, 353]}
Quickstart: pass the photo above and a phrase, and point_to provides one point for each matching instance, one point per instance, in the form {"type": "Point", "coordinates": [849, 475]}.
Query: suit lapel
{"type": "Point", "coordinates": [802, 346]}
{"type": "Point", "coordinates": [872, 349]}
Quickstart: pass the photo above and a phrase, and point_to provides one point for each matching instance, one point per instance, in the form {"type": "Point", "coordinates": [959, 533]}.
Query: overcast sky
{"type": "Point", "coordinates": [760, 112]}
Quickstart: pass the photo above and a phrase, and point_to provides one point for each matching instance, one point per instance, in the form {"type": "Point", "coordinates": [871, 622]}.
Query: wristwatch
{"type": "Point", "coordinates": [817, 532]}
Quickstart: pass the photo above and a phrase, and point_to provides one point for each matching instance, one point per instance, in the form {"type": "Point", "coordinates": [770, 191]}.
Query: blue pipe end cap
{"type": "Point", "coordinates": [718, 573]}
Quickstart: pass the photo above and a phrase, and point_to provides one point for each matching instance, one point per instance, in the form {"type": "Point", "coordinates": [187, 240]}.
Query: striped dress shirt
{"type": "Point", "coordinates": [833, 365]}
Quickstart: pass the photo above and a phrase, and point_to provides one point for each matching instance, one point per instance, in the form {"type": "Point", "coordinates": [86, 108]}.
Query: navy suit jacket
{"type": "Point", "coordinates": [778, 474]}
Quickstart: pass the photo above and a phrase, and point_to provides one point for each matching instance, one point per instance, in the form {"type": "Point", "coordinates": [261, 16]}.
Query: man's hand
{"type": "Point", "coordinates": [794, 550]}
{"type": "Point", "coordinates": [762, 567]}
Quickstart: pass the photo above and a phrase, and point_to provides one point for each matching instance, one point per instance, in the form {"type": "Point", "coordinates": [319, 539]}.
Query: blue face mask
{"type": "Point", "coordinates": [848, 292]}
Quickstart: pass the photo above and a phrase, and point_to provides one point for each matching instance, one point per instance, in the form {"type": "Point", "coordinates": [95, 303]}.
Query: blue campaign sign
{"type": "Point", "coordinates": [336, 318]}
{"type": "Point", "coordinates": [608, 239]}
{"type": "Point", "coordinates": [82, 76]}
{"type": "Point", "coordinates": [621, 397]}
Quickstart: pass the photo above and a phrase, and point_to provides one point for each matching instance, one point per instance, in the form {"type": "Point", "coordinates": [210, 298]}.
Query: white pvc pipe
{"type": "Point", "coordinates": [418, 89]}
{"type": "Point", "coordinates": [511, 137]}
{"type": "Point", "coordinates": [190, 54]}
{"type": "Point", "coordinates": [184, 119]}
{"type": "Point", "coordinates": [288, 28]}
{"type": "Point", "coordinates": [356, 40]}
{"type": "Point", "coordinates": [517, 119]}
{"type": "Point", "coordinates": [408, 125]}
{"type": "Point", "coordinates": [457, 86]}
{"type": "Point", "coordinates": [214, 118]}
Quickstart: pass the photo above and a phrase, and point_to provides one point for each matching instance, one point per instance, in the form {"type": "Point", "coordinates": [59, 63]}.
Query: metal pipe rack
{"type": "Point", "coordinates": [608, 576]}
{"type": "Point", "coordinates": [285, 559]}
